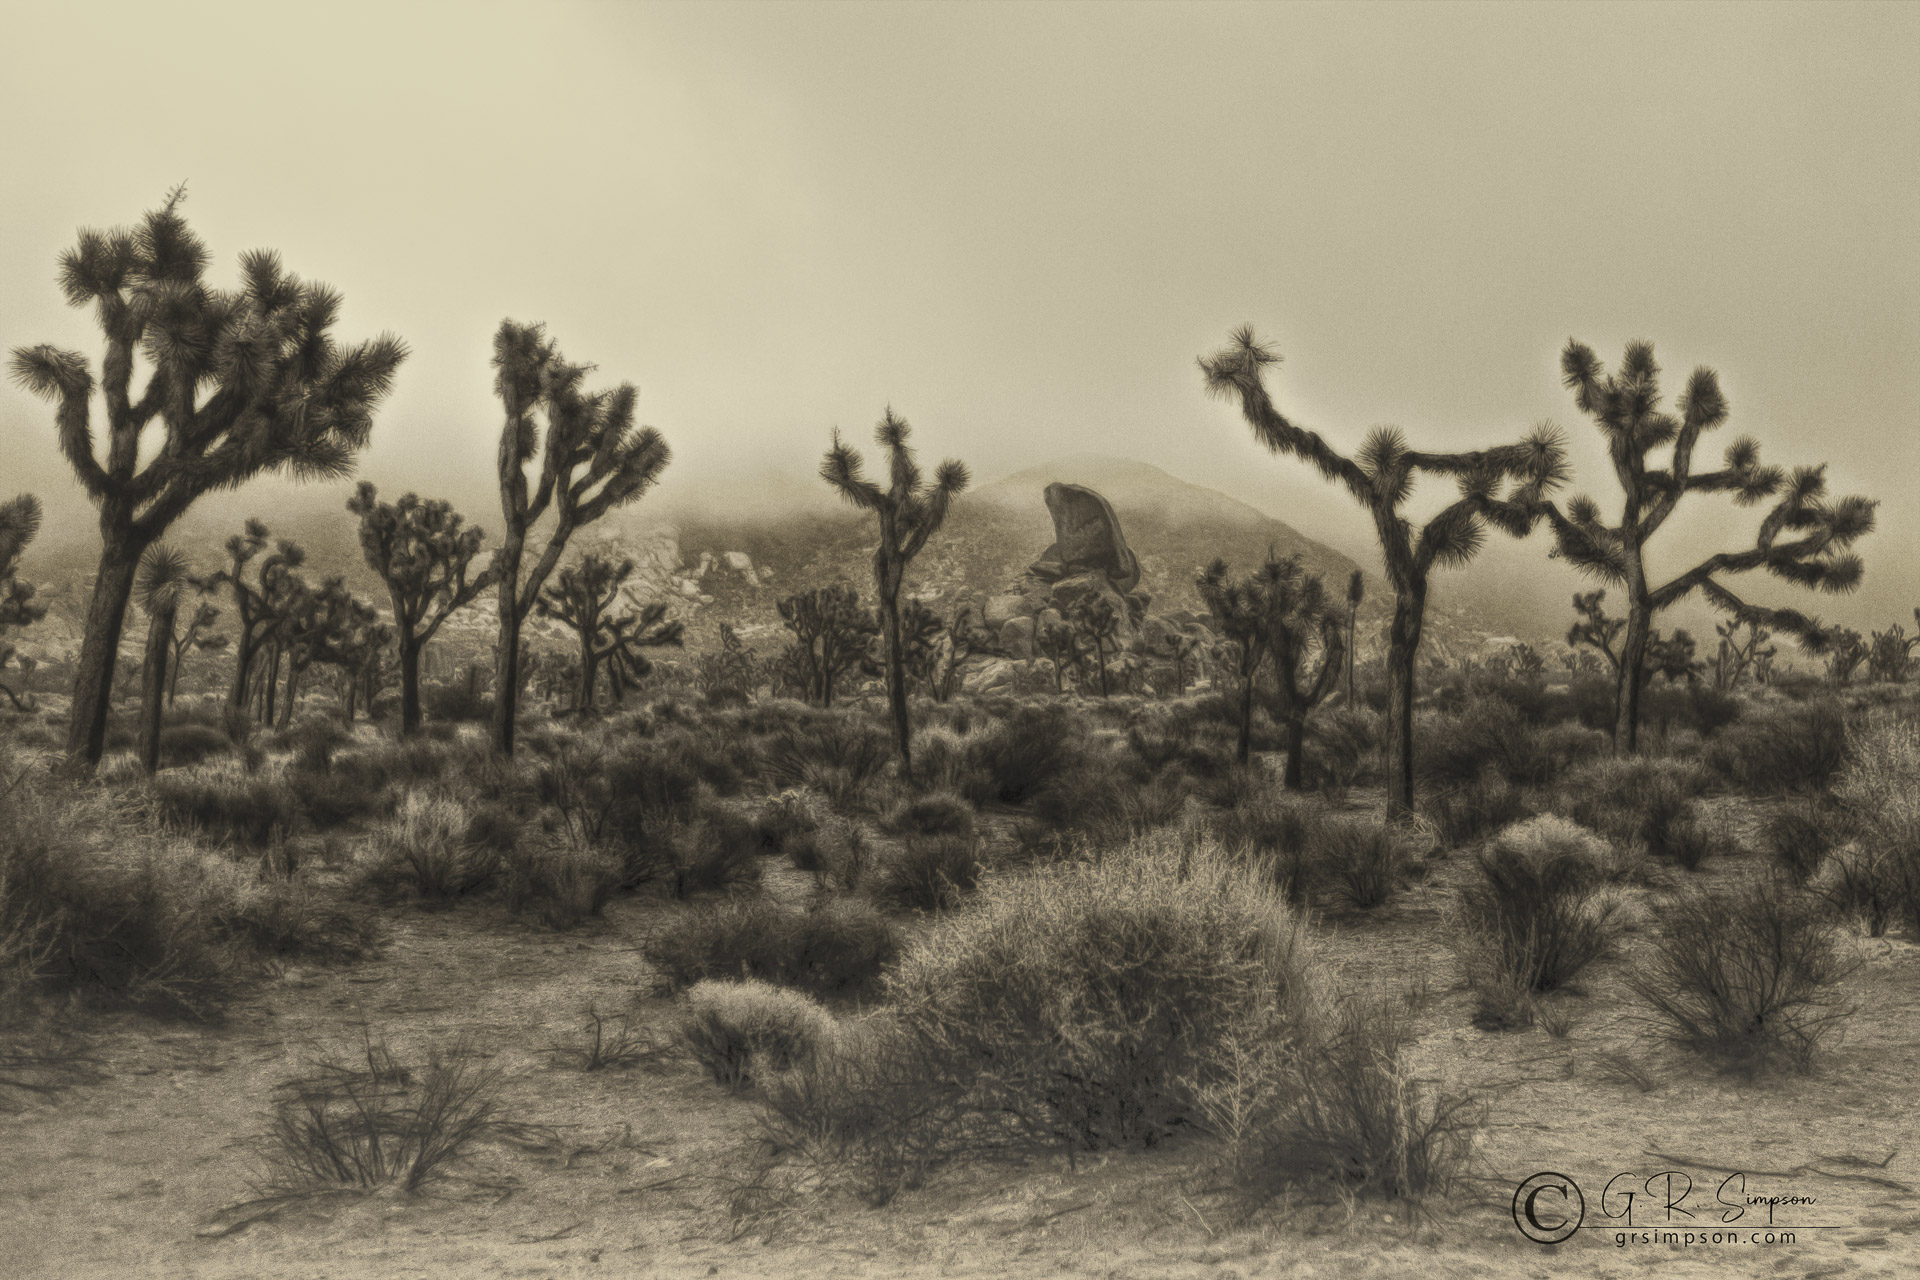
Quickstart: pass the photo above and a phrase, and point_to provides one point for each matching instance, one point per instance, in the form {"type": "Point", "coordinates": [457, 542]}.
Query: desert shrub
{"type": "Point", "coordinates": [1084, 1004]}
{"type": "Point", "coordinates": [1793, 748]}
{"type": "Point", "coordinates": [1281, 832]}
{"type": "Point", "coordinates": [1020, 757]}
{"type": "Point", "coordinates": [940, 754]}
{"type": "Point", "coordinates": [1534, 914]}
{"type": "Point", "coordinates": [1636, 799]}
{"type": "Point", "coordinates": [290, 917]}
{"type": "Point", "coordinates": [784, 817]}
{"type": "Point", "coordinates": [1798, 837]}
{"type": "Point", "coordinates": [311, 740]}
{"type": "Point", "coordinates": [1462, 813]}
{"type": "Point", "coordinates": [843, 857]}
{"type": "Point", "coordinates": [1343, 1112]}
{"type": "Point", "coordinates": [1341, 746]}
{"type": "Point", "coordinates": [743, 1031]}
{"type": "Point", "coordinates": [717, 850]}
{"type": "Point", "coordinates": [423, 850]}
{"type": "Point", "coordinates": [190, 743]}
{"type": "Point", "coordinates": [456, 701]}
{"type": "Point", "coordinates": [559, 883]}
{"type": "Point", "coordinates": [227, 804]}
{"type": "Point", "coordinates": [369, 1120]}
{"type": "Point", "coordinates": [840, 945]}
{"type": "Point", "coordinates": [839, 752]}
{"type": "Point", "coordinates": [937, 813]}
{"type": "Point", "coordinates": [1878, 874]}
{"type": "Point", "coordinates": [1361, 859]}
{"type": "Point", "coordinates": [1747, 978]}
{"type": "Point", "coordinates": [929, 873]}
{"type": "Point", "coordinates": [872, 1109]}
{"type": "Point", "coordinates": [1490, 733]}
{"type": "Point", "coordinates": [607, 1042]}
{"type": "Point", "coordinates": [92, 904]}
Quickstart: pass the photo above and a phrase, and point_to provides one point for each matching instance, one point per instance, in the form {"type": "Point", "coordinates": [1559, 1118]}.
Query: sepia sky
{"type": "Point", "coordinates": [1019, 225]}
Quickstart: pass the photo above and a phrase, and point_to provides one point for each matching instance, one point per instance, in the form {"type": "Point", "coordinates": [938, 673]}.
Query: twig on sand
{"type": "Point", "coordinates": [1857, 1161]}
{"type": "Point", "coordinates": [562, 1232]}
{"type": "Point", "coordinates": [1196, 1212]}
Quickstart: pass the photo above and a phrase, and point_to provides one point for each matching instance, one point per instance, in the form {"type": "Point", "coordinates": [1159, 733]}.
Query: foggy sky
{"type": "Point", "coordinates": [1019, 225]}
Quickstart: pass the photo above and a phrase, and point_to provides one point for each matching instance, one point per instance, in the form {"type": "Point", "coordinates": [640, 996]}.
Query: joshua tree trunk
{"type": "Point", "coordinates": [1403, 646]}
{"type": "Point", "coordinates": [1243, 752]}
{"type": "Point", "coordinates": [1353, 649]}
{"type": "Point", "coordinates": [589, 670]}
{"type": "Point", "coordinates": [1295, 779]}
{"type": "Point", "coordinates": [100, 650]}
{"type": "Point", "coordinates": [506, 653]}
{"type": "Point", "coordinates": [409, 685]}
{"type": "Point", "coordinates": [153, 683]}
{"type": "Point", "coordinates": [292, 696]}
{"type": "Point", "coordinates": [889, 578]}
{"type": "Point", "coordinates": [1633, 658]}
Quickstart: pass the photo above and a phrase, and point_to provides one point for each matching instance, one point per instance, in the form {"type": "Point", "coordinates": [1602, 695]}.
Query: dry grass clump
{"type": "Point", "coordinates": [1462, 812]}
{"type": "Point", "coordinates": [558, 883]}
{"type": "Point", "coordinates": [93, 903]}
{"type": "Point", "coordinates": [1746, 978]}
{"type": "Point", "coordinates": [1362, 860]}
{"type": "Point", "coordinates": [1341, 1112]}
{"type": "Point", "coordinates": [1279, 830]}
{"type": "Point", "coordinates": [929, 873]}
{"type": "Point", "coordinates": [1083, 1005]}
{"type": "Point", "coordinates": [424, 850]}
{"type": "Point", "coordinates": [607, 1043]}
{"type": "Point", "coordinates": [1535, 918]}
{"type": "Point", "coordinates": [368, 1121]}
{"type": "Point", "coordinates": [1015, 760]}
{"type": "Point", "coordinates": [745, 1031]}
{"type": "Point", "coordinates": [1878, 875]}
{"type": "Point", "coordinates": [225, 803]}
{"type": "Point", "coordinates": [935, 813]}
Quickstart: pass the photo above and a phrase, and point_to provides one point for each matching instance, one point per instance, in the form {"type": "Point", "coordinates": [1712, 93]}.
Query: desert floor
{"type": "Point", "coordinates": [643, 1171]}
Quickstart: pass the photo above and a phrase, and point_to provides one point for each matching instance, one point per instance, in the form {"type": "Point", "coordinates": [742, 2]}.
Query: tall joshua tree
{"type": "Point", "coordinates": [242, 382]}
{"type": "Point", "coordinates": [1241, 614]}
{"type": "Point", "coordinates": [909, 511]}
{"type": "Point", "coordinates": [421, 551]}
{"type": "Point", "coordinates": [622, 639]}
{"type": "Point", "coordinates": [19, 522]}
{"type": "Point", "coordinates": [592, 460]}
{"type": "Point", "coordinates": [163, 579]}
{"type": "Point", "coordinates": [1802, 540]}
{"type": "Point", "coordinates": [1501, 486]}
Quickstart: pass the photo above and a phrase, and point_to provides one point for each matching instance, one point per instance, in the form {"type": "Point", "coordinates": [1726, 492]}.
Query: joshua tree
{"type": "Point", "coordinates": [1356, 592]}
{"type": "Point", "coordinates": [1279, 616]}
{"type": "Point", "coordinates": [1099, 626]}
{"type": "Point", "coordinates": [729, 674]}
{"type": "Point", "coordinates": [961, 637]}
{"type": "Point", "coordinates": [315, 626]}
{"type": "Point", "coordinates": [1060, 644]}
{"type": "Point", "coordinates": [1891, 652]}
{"type": "Point", "coordinates": [924, 634]}
{"type": "Point", "coordinates": [242, 383]}
{"type": "Point", "coordinates": [162, 580]}
{"type": "Point", "coordinates": [1381, 476]}
{"type": "Point", "coordinates": [1739, 653]}
{"type": "Point", "coordinates": [1843, 648]}
{"type": "Point", "coordinates": [259, 606]}
{"type": "Point", "coordinates": [19, 521]}
{"type": "Point", "coordinates": [1626, 408]}
{"type": "Point", "coordinates": [197, 634]}
{"type": "Point", "coordinates": [593, 460]}
{"type": "Point", "coordinates": [1182, 649]}
{"type": "Point", "coordinates": [1671, 657]}
{"type": "Point", "coordinates": [622, 638]}
{"type": "Point", "coordinates": [831, 636]}
{"type": "Point", "coordinates": [361, 656]}
{"type": "Point", "coordinates": [579, 599]}
{"type": "Point", "coordinates": [422, 553]}
{"type": "Point", "coordinates": [909, 511]}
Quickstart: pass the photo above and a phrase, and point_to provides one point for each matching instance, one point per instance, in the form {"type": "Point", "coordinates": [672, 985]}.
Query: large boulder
{"type": "Point", "coordinates": [1001, 610]}
{"type": "Point", "coordinates": [1086, 539]}
{"type": "Point", "coordinates": [1016, 637]}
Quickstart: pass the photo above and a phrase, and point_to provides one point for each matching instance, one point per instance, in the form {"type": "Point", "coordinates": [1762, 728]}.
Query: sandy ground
{"type": "Point", "coordinates": [130, 1176]}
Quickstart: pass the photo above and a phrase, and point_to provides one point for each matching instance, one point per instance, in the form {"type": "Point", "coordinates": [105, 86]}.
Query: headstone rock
{"type": "Point", "coordinates": [1086, 539]}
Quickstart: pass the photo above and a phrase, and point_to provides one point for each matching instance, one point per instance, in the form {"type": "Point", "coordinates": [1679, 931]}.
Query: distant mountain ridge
{"type": "Point", "coordinates": [719, 563]}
